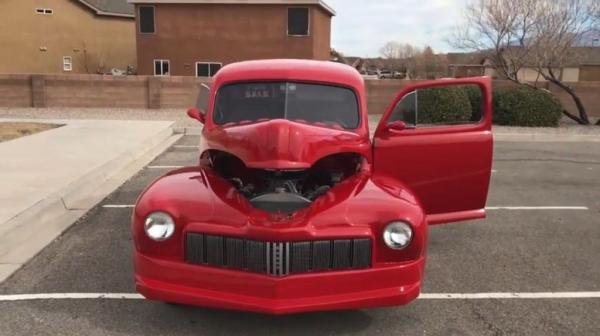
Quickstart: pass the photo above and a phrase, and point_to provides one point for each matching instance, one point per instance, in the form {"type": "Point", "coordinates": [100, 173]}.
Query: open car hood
{"type": "Point", "coordinates": [284, 144]}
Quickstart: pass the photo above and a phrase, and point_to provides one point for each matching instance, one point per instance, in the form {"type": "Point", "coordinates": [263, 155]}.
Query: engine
{"type": "Point", "coordinates": [285, 191]}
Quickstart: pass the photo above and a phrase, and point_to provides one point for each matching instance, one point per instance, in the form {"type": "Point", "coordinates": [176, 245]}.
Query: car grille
{"type": "Point", "coordinates": [278, 258]}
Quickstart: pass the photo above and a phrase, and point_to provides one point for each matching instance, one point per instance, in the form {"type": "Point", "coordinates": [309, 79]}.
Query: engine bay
{"type": "Point", "coordinates": [285, 191]}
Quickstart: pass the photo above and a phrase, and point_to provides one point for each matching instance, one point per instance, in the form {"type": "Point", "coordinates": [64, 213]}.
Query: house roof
{"type": "Point", "coordinates": [470, 59]}
{"type": "Point", "coordinates": [110, 7]}
{"type": "Point", "coordinates": [320, 3]}
{"type": "Point", "coordinates": [589, 38]}
{"type": "Point", "coordinates": [578, 56]}
{"type": "Point", "coordinates": [588, 55]}
{"type": "Point", "coordinates": [379, 62]}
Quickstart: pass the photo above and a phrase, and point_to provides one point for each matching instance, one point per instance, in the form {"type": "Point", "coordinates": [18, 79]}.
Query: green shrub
{"type": "Point", "coordinates": [444, 105]}
{"type": "Point", "coordinates": [526, 106]}
{"type": "Point", "coordinates": [476, 100]}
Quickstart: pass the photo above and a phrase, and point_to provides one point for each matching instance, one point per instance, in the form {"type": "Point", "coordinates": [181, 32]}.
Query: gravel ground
{"type": "Point", "coordinates": [178, 115]}
{"type": "Point", "coordinates": [182, 120]}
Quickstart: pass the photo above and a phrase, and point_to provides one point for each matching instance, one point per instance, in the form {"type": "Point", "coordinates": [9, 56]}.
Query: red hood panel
{"type": "Point", "coordinates": [283, 144]}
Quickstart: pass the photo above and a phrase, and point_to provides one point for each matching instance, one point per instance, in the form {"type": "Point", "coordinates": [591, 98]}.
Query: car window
{"type": "Point", "coordinates": [322, 105]}
{"type": "Point", "coordinates": [405, 110]}
{"type": "Point", "coordinates": [440, 106]}
{"type": "Point", "coordinates": [203, 95]}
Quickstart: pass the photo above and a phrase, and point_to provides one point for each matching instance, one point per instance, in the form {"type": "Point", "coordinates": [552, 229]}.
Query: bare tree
{"type": "Point", "coordinates": [84, 57]}
{"type": "Point", "coordinates": [397, 50]}
{"type": "Point", "coordinates": [594, 10]}
{"type": "Point", "coordinates": [91, 62]}
{"type": "Point", "coordinates": [500, 30]}
{"type": "Point", "coordinates": [337, 56]}
{"type": "Point", "coordinates": [515, 34]}
{"type": "Point", "coordinates": [557, 32]}
{"type": "Point", "coordinates": [390, 50]}
{"type": "Point", "coordinates": [401, 55]}
{"type": "Point", "coordinates": [425, 64]}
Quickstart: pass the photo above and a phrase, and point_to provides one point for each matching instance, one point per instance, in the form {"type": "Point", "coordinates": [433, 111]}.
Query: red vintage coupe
{"type": "Point", "coordinates": [293, 207]}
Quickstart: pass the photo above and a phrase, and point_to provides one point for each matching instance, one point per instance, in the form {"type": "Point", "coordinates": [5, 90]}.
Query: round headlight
{"type": "Point", "coordinates": [159, 226]}
{"type": "Point", "coordinates": [397, 235]}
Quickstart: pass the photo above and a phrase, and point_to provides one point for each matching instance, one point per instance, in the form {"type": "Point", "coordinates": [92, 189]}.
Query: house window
{"type": "Point", "coordinates": [67, 63]}
{"type": "Point", "coordinates": [44, 11]}
{"type": "Point", "coordinates": [146, 15]}
{"type": "Point", "coordinates": [207, 69]}
{"type": "Point", "coordinates": [298, 21]}
{"type": "Point", "coordinates": [161, 68]}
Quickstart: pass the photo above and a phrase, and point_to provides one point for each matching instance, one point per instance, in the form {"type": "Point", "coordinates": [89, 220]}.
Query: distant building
{"type": "Point", "coordinates": [468, 65]}
{"type": "Point", "coordinates": [198, 37]}
{"type": "Point", "coordinates": [66, 36]}
{"type": "Point", "coordinates": [582, 65]}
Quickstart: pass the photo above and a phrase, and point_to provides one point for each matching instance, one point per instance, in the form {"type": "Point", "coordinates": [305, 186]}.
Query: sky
{"type": "Point", "coordinates": [362, 27]}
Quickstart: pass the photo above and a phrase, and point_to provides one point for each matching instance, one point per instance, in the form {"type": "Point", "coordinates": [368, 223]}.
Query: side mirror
{"type": "Point", "coordinates": [196, 113]}
{"type": "Point", "coordinates": [397, 125]}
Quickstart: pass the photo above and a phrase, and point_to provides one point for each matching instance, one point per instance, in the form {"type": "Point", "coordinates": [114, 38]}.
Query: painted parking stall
{"type": "Point", "coordinates": [530, 266]}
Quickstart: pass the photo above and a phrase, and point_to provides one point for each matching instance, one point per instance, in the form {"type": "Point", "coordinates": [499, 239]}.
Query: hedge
{"type": "Point", "coordinates": [526, 106]}
{"type": "Point", "coordinates": [462, 104]}
{"type": "Point", "coordinates": [476, 99]}
{"type": "Point", "coordinates": [444, 105]}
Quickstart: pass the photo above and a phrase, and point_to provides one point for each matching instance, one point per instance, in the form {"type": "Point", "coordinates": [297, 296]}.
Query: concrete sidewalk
{"type": "Point", "coordinates": [183, 122]}
{"type": "Point", "coordinates": [50, 179]}
{"type": "Point", "coordinates": [501, 133]}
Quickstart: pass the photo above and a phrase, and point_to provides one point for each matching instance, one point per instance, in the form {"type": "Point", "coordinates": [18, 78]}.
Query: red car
{"type": "Point", "coordinates": [293, 207]}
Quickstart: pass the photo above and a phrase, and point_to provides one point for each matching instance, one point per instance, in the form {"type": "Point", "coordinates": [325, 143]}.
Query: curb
{"type": "Point", "coordinates": [33, 229]}
{"type": "Point", "coordinates": [187, 130]}
{"type": "Point", "coordinates": [498, 136]}
{"type": "Point", "coordinates": [544, 137]}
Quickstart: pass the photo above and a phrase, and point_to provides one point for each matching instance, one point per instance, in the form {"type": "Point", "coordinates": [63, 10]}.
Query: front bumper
{"type": "Point", "coordinates": [179, 282]}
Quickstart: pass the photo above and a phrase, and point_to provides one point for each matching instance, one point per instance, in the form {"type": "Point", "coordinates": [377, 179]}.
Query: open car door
{"type": "Point", "coordinates": [436, 138]}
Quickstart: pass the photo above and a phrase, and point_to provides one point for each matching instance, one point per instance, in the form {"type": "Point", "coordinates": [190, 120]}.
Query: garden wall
{"type": "Point", "coordinates": [180, 92]}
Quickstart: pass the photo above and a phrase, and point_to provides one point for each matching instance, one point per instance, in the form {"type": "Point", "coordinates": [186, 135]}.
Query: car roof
{"type": "Point", "coordinates": [290, 70]}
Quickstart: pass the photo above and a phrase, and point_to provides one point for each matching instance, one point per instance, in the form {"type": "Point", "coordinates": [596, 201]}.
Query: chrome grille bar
{"type": "Point", "coordinates": [278, 259]}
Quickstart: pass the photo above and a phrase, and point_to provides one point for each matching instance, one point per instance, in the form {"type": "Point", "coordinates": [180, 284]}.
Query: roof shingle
{"type": "Point", "coordinates": [110, 7]}
{"type": "Point", "coordinates": [320, 3]}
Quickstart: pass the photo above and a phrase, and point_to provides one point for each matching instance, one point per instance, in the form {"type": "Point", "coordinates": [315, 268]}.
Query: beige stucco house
{"type": "Point", "coordinates": [66, 36]}
{"type": "Point", "coordinates": [583, 64]}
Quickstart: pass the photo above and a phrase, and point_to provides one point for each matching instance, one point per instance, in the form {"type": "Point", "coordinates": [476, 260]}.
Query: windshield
{"type": "Point", "coordinates": [321, 105]}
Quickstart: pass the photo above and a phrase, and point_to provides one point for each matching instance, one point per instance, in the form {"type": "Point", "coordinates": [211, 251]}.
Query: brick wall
{"type": "Point", "coordinates": [381, 92]}
{"type": "Point", "coordinates": [98, 91]}
{"type": "Point", "coordinates": [181, 92]}
{"type": "Point", "coordinates": [589, 72]}
{"type": "Point", "coordinates": [589, 92]}
{"type": "Point", "coordinates": [95, 91]}
{"type": "Point", "coordinates": [226, 33]}
{"type": "Point", "coordinates": [15, 91]}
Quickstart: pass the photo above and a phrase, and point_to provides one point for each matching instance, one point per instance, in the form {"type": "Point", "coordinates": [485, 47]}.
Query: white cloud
{"type": "Point", "coordinates": [362, 27]}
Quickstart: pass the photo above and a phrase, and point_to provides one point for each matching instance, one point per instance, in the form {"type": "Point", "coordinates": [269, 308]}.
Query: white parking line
{"type": "Point", "coordinates": [74, 296]}
{"type": "Point", "coordinates": [537, 295]}
{"type": "Point", "coordinates": [183, 146]}
{"type": "Point", "coordinates": [164, 167]}
{"type": "Point", "coordinates": [118, 206]}
{"type": "Point", "coordinates": [423, 296]}
{"type": "Point", "coordinates": [538, 208]}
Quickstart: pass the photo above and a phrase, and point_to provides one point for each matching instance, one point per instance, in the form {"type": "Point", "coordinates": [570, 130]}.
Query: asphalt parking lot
{"type": "Point", "coordinates": [514, 250]}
